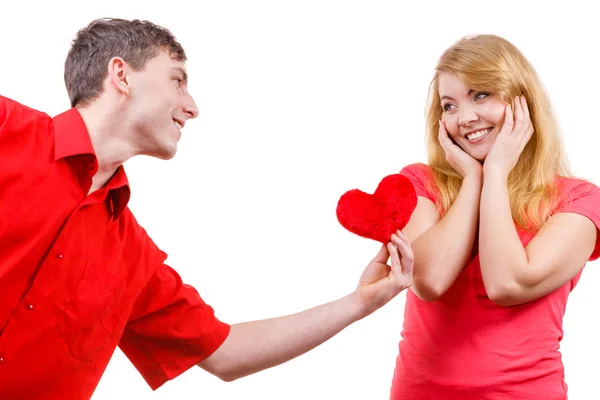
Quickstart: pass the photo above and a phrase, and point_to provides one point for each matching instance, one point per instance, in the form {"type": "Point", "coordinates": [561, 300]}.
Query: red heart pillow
{"type": "Point", "coordinates": [379, 215]}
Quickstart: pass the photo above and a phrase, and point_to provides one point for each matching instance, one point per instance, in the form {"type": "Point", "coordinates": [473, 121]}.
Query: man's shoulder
{"type": "Point", "coordinates": [10, 108]}
{"type": "Point", "coordinates": [136, 236]}
{"type": "Point", "coordinates": [20, 125]}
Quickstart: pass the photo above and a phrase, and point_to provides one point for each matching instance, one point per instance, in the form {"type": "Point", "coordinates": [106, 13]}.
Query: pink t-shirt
{"type": "Point", "coordinates": [465, 347]}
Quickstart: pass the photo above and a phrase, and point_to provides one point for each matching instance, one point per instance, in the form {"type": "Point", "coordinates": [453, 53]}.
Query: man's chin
{"type": "Point", "coordinates": [171, 153]}
{"type": "Point", "coordinates": [165, 153]}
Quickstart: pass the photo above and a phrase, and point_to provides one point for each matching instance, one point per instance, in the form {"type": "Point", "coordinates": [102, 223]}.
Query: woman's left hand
{"type": "Point", "coordinates": [511, 140]}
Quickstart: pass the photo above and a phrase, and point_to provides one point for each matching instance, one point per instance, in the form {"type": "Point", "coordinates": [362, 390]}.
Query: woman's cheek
{"type": "Point", "coordinates": [452, 127]}
{"type": "Point", "coordinates": [496, 114]}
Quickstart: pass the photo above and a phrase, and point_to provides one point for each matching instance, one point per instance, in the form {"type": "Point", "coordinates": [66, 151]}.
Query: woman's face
{"type": "Point", "coordinates": [473, 119]}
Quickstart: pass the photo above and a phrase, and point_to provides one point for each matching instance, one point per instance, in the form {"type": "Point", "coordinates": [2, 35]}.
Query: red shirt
{"type": "Point", "coordinates": [78, 275]}
{"type": "Point", "coordinates": [465, 347]}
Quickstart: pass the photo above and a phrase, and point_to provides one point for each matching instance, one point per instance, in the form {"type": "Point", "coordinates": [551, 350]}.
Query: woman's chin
{"type": "Point", "coordinates": [480, 154]}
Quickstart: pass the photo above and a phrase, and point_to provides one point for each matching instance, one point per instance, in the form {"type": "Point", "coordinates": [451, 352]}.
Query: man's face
{"type": "Point", "coordinates": [160, 105]}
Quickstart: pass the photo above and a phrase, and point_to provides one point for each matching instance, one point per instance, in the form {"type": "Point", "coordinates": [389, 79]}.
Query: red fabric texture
{"type": "Point", "coordinates": [464, 347]}
{"type": "Point", "coordinates": [78, 274]}
{"type": "Point", "coordinates": [376, 216]}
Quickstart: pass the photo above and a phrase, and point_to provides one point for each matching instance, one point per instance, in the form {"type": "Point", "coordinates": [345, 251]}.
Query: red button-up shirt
{"type": "Point", "coordinates": [78, 274]}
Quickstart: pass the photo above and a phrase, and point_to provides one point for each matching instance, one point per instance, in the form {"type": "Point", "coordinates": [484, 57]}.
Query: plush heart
{"type": "Point", "coordinates": [379, 215]}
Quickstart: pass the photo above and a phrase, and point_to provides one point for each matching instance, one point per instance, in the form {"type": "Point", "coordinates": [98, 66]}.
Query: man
{"type": "Point", "coordinates": [79, 276]}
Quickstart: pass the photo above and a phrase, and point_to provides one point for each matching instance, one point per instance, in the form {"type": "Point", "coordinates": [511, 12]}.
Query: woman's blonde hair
{"type": "Point", "coordinates": [492, 64]}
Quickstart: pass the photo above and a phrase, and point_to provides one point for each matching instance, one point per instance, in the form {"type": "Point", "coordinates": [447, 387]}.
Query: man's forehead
{"type": "Point", "coordinates": [164, 57]}
{"type": "Point", "coordinates": [180, 67]}
{"type": "Point", "coordinates": [165, 62]}
{"type": "Point", "coordinates": [178, 64]}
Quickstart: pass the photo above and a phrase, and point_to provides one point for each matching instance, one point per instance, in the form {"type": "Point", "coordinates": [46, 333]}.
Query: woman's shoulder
{"type": "Point", "coordinates": [418, 169]}
{"type": "Point", "coordinates": [570, 185]}
{"type": "Point", "coordinates": [577, 193]}
{"type": "Point", "coordinates": [421, 176]}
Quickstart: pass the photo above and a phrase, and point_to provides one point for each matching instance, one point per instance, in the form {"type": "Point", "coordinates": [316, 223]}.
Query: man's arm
{"type": "Point", "coordinates": [258, 345]}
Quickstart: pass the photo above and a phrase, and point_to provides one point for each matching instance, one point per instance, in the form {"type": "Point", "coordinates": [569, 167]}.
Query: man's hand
{"type": "Point", "coordinates": [380, 282]}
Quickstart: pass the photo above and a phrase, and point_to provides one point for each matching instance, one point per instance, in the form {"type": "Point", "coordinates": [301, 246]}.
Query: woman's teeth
{"type": "Point", "coordinates": [478, 134]}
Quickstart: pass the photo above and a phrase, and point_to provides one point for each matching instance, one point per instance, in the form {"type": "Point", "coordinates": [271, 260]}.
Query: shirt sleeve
{"type": "Point", "coordinates": [171, 329]}
{"type": "Point", "coordinates": [421, 177]}
{"type": "Point", "coordinates": [7, 107]}
{"type": "Point", "coordinates": [3, 110]}
{"type": "Point", "coordinates": [584, 198]}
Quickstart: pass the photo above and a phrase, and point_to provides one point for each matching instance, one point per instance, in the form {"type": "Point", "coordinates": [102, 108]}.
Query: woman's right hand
{"type": "Point", "coordinates": [458, 159]}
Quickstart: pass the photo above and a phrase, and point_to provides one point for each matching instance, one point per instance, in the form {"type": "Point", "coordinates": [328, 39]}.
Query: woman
{"type": "Point", "coordinates": [500, 235]}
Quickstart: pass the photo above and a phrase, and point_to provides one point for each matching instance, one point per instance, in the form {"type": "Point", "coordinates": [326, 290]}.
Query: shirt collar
{"type": "Point", "coordinates": [71, 138]}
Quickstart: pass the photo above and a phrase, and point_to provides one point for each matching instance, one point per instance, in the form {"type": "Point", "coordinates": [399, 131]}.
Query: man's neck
{"type": "Point", "coordinates": [108, 134]}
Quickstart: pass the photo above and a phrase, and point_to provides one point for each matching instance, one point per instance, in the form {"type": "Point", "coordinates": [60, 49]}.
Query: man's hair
{"type": "Point", "coordinates": [134, 41]}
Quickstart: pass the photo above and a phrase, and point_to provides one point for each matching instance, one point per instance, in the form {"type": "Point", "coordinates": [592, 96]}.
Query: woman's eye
{"type": "Point", "coordinates": [481, 95]}
{"type": "Point", "coordinates": [447, 106]}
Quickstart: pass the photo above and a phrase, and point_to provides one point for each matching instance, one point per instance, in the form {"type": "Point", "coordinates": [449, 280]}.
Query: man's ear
{"type": "Point", "coordinates": [118, 75]}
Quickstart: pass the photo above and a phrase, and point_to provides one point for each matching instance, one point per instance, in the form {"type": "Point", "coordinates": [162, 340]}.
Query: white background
{"type": "Point", "coordinates": [301, 101]}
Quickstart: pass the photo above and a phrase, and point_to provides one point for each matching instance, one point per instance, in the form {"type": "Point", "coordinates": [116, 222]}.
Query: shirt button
{"type": "Point", "coordinates": [29, 306]}
{"type": "Point", "coordinates": [59, 254]}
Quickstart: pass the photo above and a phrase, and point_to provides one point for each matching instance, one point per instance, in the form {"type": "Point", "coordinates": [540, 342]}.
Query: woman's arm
{"type": "Point", "coordinates": [443, 248]}
{"type": "Point", "coordinates": [513, 274]}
